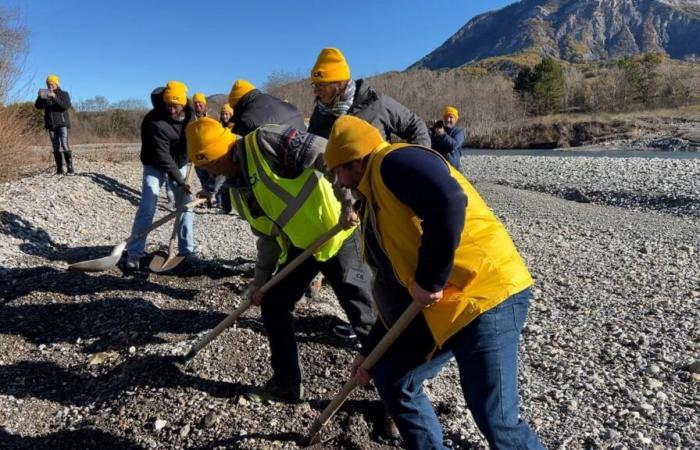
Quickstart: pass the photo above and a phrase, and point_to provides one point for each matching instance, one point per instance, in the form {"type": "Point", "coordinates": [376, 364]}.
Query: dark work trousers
{"type": "Point", "coordinates": [278, 305]}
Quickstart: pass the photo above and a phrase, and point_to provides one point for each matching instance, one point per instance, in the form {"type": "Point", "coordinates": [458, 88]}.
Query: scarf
{"type": "Point", "coordinates": [342, 104]}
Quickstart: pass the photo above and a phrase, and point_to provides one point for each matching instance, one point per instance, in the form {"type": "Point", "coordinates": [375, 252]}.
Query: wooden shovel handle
{"type": "Point", "coordinates": [391, 335]}
{"type": "Point", "coordinates": [266, 287]}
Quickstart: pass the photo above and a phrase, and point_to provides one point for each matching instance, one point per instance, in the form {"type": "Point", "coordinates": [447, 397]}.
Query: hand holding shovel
{"type": "Point", "coordinates": [158, 263]}
{"type": "Point", "coordinates": [391, 335]}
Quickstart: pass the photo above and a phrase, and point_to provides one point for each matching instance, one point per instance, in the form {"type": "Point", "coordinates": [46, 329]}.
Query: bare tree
{"type": "Point", "coordinates": [13, 42]}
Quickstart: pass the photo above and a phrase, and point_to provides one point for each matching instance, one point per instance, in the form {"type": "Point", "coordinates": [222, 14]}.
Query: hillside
{"type": "Point", "coordinates": [575, 30]}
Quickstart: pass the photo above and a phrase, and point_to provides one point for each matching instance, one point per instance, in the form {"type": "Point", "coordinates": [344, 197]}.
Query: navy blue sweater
{"type": "Point", "coordinates": [421, 180]}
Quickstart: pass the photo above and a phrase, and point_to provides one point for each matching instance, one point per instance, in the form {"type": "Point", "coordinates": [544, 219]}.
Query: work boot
{"type": "Point", "coordinates": [133, 264]}
{"type": "Point", "coordinates": [59, 163]}
{"type": "Point", "coordinates": [69, 162]}
{"type": "Point", "coordinates": [344, 331]}
{"type": "Point", "coordinates": [271, 392]}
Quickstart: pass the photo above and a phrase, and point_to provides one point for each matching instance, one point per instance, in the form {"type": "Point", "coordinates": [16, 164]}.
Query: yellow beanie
{"type": "Point", "coordinates": [52, 79]}
{"type": "Point", "coordinates": [350, 139]}
{"type": "Point", "coordinates": [199, 97]}
{"type": "Point", "coordinates": [238, 90]}
{"type": "Point", "coordinates": [330, 66]}
{"type": "Point", "coordinates": [451, 110]}
{"type": "Point", "coordinates": [227, 109]}
{"type": "Point", "coordinates": [208, 140]}
{"type": "Point", "coordinates": [175, 93]}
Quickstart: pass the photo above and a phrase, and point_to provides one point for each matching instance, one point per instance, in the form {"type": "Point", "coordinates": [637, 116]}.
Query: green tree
{"type": "Point", "coordinates": [544, 84]}
{"type": "Point", "coordinates": [641, 79]}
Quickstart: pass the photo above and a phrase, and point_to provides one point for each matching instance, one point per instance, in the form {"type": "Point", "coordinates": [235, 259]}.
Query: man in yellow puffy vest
{"type": "Point", "coordinates": [277, 178]}
{"type": "Point", "coordinates": [430, 238]}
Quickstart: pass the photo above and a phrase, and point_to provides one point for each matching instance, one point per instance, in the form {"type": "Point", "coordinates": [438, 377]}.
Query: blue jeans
{"type": "Point", "coordinates": [59, 139]}
{"type": "Point", "coordinates": [153, 179]}
{"type": "Point", "coordinates": [486, 352]}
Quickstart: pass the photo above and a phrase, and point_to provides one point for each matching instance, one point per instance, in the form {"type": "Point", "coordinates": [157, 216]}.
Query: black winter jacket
{"type": "Point", "coordinates": [383, 112]}
{"type": "Point", "coordinates": [256, 109]}
{"type": "Point", "coordinates": [55, 109]}
{"type": "Point", "coordinates": [163, 143]}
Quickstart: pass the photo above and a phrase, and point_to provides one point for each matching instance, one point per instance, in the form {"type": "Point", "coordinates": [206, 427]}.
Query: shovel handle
{"type": "Point", "coordinates": [266, 287]}
{"type": "Point", "coordinates": [394, 332]}
{"type": "Point", "coordinates": [164, 219]}
{"type": "Point", "coordinates": [293, 264]}
{"type": "Point", "coordinates": [180, 210]}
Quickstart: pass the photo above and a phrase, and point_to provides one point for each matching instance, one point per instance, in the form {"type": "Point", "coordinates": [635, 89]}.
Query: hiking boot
{"type": "Point", "coordinates": [271, 392]}
{"type": "Point", "coordinates": [344, 331]}
{"type": "Point", "coordinates": [193, 259]}
{"type": "Point", "coordinates": [133, 264]}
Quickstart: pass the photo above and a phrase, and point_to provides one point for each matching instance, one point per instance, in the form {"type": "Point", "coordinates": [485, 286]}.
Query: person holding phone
{"type": "Point", "coordinates": [447, 138]}
{"type": "Point", "coordinates": [56, 102]}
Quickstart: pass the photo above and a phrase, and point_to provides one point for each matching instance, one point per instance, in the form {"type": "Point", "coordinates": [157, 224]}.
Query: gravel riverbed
{"type": "Point", "coordinates": [610, 355]}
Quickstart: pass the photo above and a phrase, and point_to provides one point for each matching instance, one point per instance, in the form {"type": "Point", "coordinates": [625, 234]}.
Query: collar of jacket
{"type": "Point", "coordinates": [365, 185]}
{"type": "Point", "coordinates": [244, 102]}
{"type": "Point", "coordinates": [364, 95]}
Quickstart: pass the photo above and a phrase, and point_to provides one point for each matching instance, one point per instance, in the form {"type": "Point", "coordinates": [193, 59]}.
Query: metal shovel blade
{"type": "Point", "coordinates": [159, 264]}
{"type": "Point", "coordinates": [100, 264]}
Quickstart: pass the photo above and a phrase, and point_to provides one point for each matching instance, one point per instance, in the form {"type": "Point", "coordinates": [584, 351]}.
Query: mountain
{"type": "Point", "coordinates": [575, 30]}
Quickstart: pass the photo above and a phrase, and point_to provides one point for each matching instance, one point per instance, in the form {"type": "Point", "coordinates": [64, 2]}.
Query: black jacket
{"type": "Point", "coordinates": [55, 109]}
{"type": "Point", "coordinates": [256, 109]}
{"type": "Point", "coordinates": [163, 143]}
{"type": "Point", "coordinates": [383, 112]}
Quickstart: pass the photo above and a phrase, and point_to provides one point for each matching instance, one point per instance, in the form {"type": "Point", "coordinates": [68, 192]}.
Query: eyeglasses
{"type": "Point", "coordinates": [317, 86]}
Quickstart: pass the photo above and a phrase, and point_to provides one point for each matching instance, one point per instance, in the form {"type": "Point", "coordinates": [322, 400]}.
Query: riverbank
{"type": "Point", "coordinates": [607, 353]}
{"type": "Point", "coordinates": [666, 130]}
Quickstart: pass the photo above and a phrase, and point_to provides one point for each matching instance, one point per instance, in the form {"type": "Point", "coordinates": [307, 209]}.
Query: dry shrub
{"type": "Point", "coordinates": [16, 156]}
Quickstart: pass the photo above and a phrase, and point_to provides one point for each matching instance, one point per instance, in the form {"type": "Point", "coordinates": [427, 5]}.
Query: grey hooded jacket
{"type": "Point", "coordinates": [382, 111]}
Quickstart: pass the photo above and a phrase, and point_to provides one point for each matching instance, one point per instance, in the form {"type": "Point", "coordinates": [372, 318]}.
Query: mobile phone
{"type": "Point", "coordinates": [44, 93]}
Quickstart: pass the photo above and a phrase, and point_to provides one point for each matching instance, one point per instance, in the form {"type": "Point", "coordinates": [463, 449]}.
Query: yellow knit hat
{"type": "Point", "coordinates": [350, 139]}
{"type": "Point", "coordinates": [227, 109]}
{"type": "Point", "coordinates": [238, 90]}
{"type": "Point", "coordinates": [52, 79]}
{"type": "Point", "coordinates": [175, 93]}
{"type": "Point", "coordinates": [330, 66]}
{"type": "Point", "coordinates": [208, 140]}
{"type": "Point", "coordinates": [451, 110]}
{"type": "Point", "coordinates": [199, 97]}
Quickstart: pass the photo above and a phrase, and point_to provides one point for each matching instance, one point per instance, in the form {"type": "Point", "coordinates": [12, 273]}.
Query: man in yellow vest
{"type": "Point", "coordinates": [434, 241]}
{"type": "Point", "coordinates": [277, 178]}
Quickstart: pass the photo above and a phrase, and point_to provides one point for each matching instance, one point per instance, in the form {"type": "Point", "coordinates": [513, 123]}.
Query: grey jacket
{"type": "Point", "coordinates": [382, 111]}
{"type": "Point", "coordinates": [288, 151]}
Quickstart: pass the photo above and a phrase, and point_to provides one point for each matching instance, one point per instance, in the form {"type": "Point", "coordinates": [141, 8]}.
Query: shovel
{"type": "Point", "coordinates": [98, 265]}
{"type": "Point", "coordinates": [394, 332]}
{"type": "Point", "coordinates": [160, 264]}
{"type": "Point", "coordinates": [187, 359]}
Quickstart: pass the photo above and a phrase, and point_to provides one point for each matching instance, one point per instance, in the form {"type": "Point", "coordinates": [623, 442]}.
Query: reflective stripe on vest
{"type": "Point", "coordinates": [261, 224]}
{"type": "Point", "coordinates": [304, 207]}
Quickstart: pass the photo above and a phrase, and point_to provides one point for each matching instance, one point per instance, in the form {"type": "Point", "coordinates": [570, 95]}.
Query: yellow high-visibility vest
{"type": "Point", "coordinates": [486, 270]}
{"type": "Point", "coordinates": [300, 209]}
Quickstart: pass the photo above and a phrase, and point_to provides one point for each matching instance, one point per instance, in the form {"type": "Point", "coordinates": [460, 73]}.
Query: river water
{"type": "Point", "coordinates": [610, 153]}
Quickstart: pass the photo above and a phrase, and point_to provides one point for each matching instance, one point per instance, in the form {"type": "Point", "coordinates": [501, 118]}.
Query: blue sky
{"type": "Point", "coordinates": [123, 49]}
